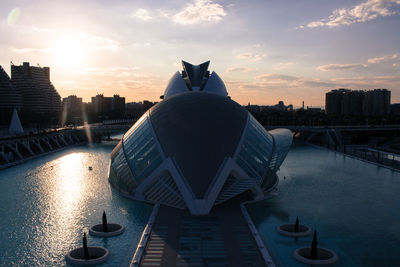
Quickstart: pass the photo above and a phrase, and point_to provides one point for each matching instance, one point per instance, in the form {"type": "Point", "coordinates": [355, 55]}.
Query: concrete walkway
{"type": "Point", "coordinates": [221, 238]}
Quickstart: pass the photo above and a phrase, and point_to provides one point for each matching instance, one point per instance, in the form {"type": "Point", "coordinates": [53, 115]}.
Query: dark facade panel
{"type": "Point", "coordinates": [199, 130]}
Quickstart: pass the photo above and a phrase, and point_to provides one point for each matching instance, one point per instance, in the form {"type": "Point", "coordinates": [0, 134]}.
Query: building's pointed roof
{"type": "Point", "coordinates": [195, 78]}
{"type": "Point", "coordinates": [15, 124]}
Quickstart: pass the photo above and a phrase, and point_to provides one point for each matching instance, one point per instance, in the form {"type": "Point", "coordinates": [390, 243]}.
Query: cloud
{"type": "Point", "coordinates": [142, 14]}
{"type": "Point", "coordinates": [282, 65]}
{"type": "Point", "coordinates": [275, 77]}
{"type": "Point", "coordinates": [239, 69]}
{"type": "Point", "coordinates": [45, 30]}
{"type": "Point", "coordinates": [366, 11]}
{"type": "Point", "coordinates": [114, 71]}
{"type": "Point", "coordinates": [376, 60]}
{"type": "Point", "coordinates": [30, 50]}
{"type": "Point", "coordinates": [200, 11]}
{"type": "Point", "coordinates": [251, 56]}
{"type": "Point", "coordinates": [383, 58]}
{"type": "Point", "coordinates": [369, 82]}
{"type": "Point", "coordinates": [329, 67]}
{"type": "Point", "coordinates": [99, 42]}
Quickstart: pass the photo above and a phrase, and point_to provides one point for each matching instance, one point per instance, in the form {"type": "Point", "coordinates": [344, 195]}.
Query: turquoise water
{"type": "Point", "coordinates": [353, 205]}
{"type": "Point", "coordinates": [47, 203]}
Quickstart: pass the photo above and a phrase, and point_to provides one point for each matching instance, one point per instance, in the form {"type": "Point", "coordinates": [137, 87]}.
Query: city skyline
{"type": "Point", "coordinates": [265, 52]}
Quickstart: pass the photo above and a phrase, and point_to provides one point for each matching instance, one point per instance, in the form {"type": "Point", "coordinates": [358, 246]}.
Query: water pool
{"type": "Point", "coordinates": [47, 203]}
{"type": "Point", "coordinates": [353, 205]}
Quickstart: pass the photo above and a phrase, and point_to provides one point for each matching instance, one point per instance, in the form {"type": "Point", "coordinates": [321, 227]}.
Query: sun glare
{"type": "Point", "coordinates": [69, 52]}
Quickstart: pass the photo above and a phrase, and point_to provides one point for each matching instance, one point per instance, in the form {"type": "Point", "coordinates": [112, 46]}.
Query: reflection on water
{"type": "Point", "coordinates": [352, 204]}
{"type": "Point", "coordinates": [46, 204]}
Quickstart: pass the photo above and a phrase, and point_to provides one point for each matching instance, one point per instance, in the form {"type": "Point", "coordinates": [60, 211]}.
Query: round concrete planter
{"type": "Point", "coordinates": [288, 230]}
{"type": "Point", "coordinates": [97, 255]}
{"type": "Point", "coordinates": [324, 256]}
{"type": "Point", "coordinates": [113, 230]}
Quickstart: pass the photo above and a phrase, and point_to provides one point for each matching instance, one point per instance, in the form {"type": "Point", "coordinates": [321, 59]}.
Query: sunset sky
{"type": "Point", "coordinates": [265, 51]}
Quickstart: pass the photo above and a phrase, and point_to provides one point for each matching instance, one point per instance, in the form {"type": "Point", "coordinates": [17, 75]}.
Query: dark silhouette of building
{"type": "Point", "coordinates": [108, 107]}
{"type": "Point", "coordinates": [333, 101]}
{"type": "Point", "coordinates": [395, 109]}
{"type": "Point", "coordinates": [9, 98]}
{"type": "Point", "coordinates": [40, 100]}
{"type": "Point", "coordinates": [72, 110]}
{"type": "Point", "coordinates": [345, 102]}
{"type": "Point", "coordinates": [117, 106]}
{"type": "Point", "coordinates": [136, 109]}
{"type": "Point", "coordinates": [377, 102]}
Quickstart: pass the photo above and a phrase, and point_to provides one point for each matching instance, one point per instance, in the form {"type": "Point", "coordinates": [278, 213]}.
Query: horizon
{"type": "Point", "coordinates": [264, 52]}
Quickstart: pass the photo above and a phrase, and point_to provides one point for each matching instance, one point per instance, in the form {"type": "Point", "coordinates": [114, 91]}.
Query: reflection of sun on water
{"type": "Point", "coordinates": [70, 185]}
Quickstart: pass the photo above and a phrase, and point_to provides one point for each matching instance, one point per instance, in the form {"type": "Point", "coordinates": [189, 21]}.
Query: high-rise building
{"type": "Point", "coordinates": [333, 101]}
{"type": "Point", "coordinates": [344, 101]}
{"type": "Point", "coordinates": [118, 106]}
{"type": "Point", "coordinates": [9, 98]}
{"type": "Point", "coordinates": [352, 102]}
{"type": "Point", "coordinates": [72, 109]}
{"type": "Point", "coordinates": [108, 106]}
{"type": "Point", "coordinates": [39, 97]}
{"type": "Point", "coordinates": [377, 102]}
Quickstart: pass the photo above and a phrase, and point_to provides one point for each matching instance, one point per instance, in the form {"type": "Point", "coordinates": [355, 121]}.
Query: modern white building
{"type": "Point", "coordinates": [197, 148]}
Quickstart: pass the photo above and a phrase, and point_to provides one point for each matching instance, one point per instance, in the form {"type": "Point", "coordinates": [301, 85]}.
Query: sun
{"type": "Point", "coordinates": [69, 52]}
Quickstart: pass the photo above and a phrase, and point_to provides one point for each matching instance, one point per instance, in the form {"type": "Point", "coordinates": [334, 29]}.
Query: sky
{"type": "Point", "coordinates": [265, 51]}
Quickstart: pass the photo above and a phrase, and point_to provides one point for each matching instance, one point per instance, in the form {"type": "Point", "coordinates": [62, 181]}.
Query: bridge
{"type": "Point", "coordinates": [341, 134]}
{"type": "Point", "coordinates": [332, 135]}
{"type": "Point", "coordinates": [17, 149]}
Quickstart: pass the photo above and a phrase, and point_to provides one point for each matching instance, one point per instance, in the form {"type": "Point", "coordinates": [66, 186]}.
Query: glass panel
{"type": "Point", "coordinates": [255, 150]}
{"type": "Point", "coordinates": [141, 150]}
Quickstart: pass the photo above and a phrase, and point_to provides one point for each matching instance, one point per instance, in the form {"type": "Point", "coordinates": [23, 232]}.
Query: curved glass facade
{"type": "Point", "coordinates": [256, 149]}
{"type": "Point", "coordinates": [196, 149]}
{"type": "Point", "coordinates": [135, 157]}
{"type": "Point", "coordinates": [120, 174]}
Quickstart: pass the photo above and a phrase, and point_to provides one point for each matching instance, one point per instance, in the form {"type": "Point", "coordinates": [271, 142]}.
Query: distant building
{"type": "Point", "coordinates": [9, 98]}
{"type": "Point", "coordinates": [108, 107]}
{"type": "Point", "coordinates": [39, 97]}
{"type": "Point", "coordinates": [118, 106]}
{"type": "Point", "coordinates": [333, 101]}
{"type": "Point", "coordinates": [136, 109]}
{"type": "Point", "coordinates": [395, 109]}
{"type": "Point", "coordinates": [377, 102]}
{"type": "Point", "coordinates": [344, 101]}
{"type": "Point", "coordinates": [314, 109]}
{"type": "Point", "coordinates": [281, 106]}
{"type": "Point", "coordinates": [72, 109]}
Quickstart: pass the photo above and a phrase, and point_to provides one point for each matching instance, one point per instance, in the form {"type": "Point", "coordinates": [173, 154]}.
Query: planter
{"type": "Point", "coordinates": [288, 230]}
{"type": "Point", "coordinates": [97, 255]}
{"type": "Point", "coordinates": [324, 256]}
{"type": "Point", "coordinates": [113, 230]}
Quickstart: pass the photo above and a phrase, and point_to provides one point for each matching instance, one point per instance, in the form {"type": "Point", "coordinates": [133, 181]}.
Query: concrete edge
{"type": "Point", "coordinates": [260, 244]}
{"type": "Point", "coordinates": [137, 257]}
{"type": "Point", "coordinates": [355, 157]}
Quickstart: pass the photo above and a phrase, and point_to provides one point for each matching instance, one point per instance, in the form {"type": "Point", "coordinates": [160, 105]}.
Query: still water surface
{"type": "Point", "coordinates": [47, 203]}
{"type": "Point", "coordinates": [353, 205]}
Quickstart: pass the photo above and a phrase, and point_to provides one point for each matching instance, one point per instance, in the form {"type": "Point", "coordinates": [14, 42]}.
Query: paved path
{"type": "Point", "coordinates": [221, 238]}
